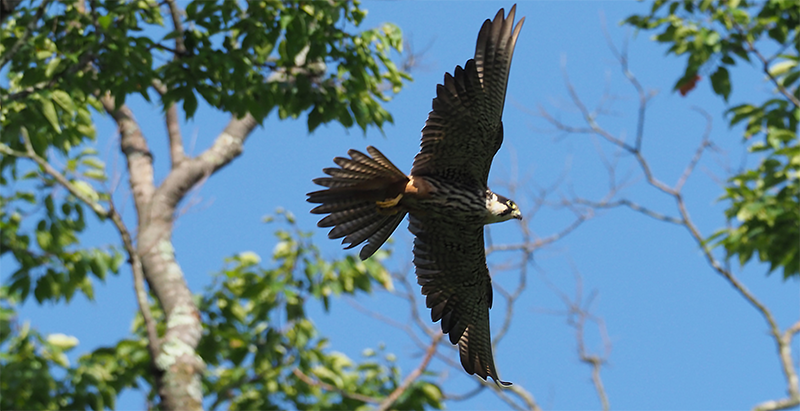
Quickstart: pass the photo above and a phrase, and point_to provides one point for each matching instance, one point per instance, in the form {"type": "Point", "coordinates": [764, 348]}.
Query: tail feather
{"type": "Point", "coordinates": [352, 213]}
{"type": "Point", "coordinates": [363, 159]}
{"type": "Point", "coordinates": [349, 176]}
{"type": "Point", "coordinates": [353, 226]}
{"type": "Point", "coordinates": [359, 164]}
{"type": "Point", "coordinates": [380, 158]}
{"type": "Point", "coordinates": [352, 196]}
{"type": "Point", "coordinates": [331, 207]}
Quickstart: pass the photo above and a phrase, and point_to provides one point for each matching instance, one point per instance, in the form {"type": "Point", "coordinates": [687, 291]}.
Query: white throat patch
{"type": "Point", "coordinates": [494, 208]}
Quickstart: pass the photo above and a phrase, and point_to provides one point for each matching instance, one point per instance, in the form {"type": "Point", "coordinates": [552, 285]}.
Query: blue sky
{"type": "Point", "coordinates": [682, 337]}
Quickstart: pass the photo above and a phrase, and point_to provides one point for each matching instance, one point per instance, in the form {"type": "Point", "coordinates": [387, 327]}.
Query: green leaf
{"type": "Point", "coordinates": [781, 68]}
{"type": "Point", "coordinates": [62, 341]}
{"type": "Point", "coordinates": [721, 82]}
{"type": "Point", "coordinates": [49, 111]}
{"type": "Point", "coordinates": [51, 66]}
{"type": "Point", "coordinates": [105, 21]}
{"type": "Point", "coordinates": [189, 104]}
{"type": "Point", "coordinates": [64, 100]}
{"type": "Point", "coordinates": [86, 189]}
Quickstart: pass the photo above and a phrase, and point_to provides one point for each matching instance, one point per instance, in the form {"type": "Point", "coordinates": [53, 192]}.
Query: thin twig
{"type": "Point", "coordinates": [704, 143]}
{"type": "Point", "coordinates": [630, 204]}
{"type": "Point", "coordinates": [578, 312]}
{"type": "Point", "coordinates": [765, 66]}
{"type": "Point", "coordinates": [534, 245]}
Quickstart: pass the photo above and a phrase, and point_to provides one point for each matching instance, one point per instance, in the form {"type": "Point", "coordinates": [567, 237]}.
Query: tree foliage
{"type": "Point", "coordinates": [261, 349]}
{"type": "Point", "coordinates": [236, 59]}
{"type": "Point", "coordinates": [68, 62]}
{"type": "Point", "coordinates": [715, 36]}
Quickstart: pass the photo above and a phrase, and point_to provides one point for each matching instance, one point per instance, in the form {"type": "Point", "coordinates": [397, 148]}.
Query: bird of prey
{"type": "Point", "coordinates": [446, 195]}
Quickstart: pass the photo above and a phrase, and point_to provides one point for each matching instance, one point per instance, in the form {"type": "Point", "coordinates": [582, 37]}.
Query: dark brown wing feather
{"type": "Point", "coordinates": [451, 268]}
{"type": "Point", "coordinates": [465, 129]}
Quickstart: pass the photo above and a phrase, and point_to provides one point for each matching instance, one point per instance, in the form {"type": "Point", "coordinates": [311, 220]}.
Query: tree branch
{"type": "Point", "coordinates": [782, 341]}
{"type": "Point", "coordinates": [704, 143]}
{"type": "Point", "coordinates": [176, 151]}
{"type": "Point", "coordinates": [578, 312]}
{"type": "Point", "coordinates": [630, 204]}
{"type": "Point", "coordinates": [111, 213]}
{"type": "Point", "coordinates": [139, 158]}
{"type": "Point", "coordinates": [784, 347]}
{"type": "Point", "coordinates": [388, 401]}
{"type": "Point", "coordinates": [153, 342]}
{"type": "Point", "coordinates": [765, 68]}
{"type": "Point", "coordinates": [228, 145]}
{"type": "Point", "coordinates": [175, 12]}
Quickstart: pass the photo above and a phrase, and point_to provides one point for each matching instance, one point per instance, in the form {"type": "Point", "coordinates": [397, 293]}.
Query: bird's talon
{"type": "Point", "coordinates": [389, 203]}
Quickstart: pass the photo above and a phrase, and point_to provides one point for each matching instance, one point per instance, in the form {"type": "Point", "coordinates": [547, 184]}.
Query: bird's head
{"type": "Point", "coordinates": [501, 209]}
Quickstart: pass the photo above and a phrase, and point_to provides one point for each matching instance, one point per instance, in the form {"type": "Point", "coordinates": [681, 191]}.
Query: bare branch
{"type": "Point", "coordinates": [410, 296]}
{"type": "Point", "coordinates": [175, 12]}
{"type": "Point", "coordinates": [704, 143]}
{"type": "Point", "coordinates": [630, 204]}
{"type": "Point", "coordinates": [781, 404]}
{"type": "Point", "coordinates": [134, 147]}
{"type": "Point", "coordinates": [536, 244]}
{"type": "Point", "coordinates": [782, 341]}
{"type": "Point", "coordinates": [388, 321]}
{"type": "Point", "coordinates": [578, 312]}
{"type": "Point", "coordinates": [784, 346]}
{"type": "Point", "coordinates": [176, 151]}
{"type": "Point", "coordinates": [388, 401]}
{"type": "Point", "coordinates": [521, 393]}
{"type": "Point", "coordinates": [228, 145]}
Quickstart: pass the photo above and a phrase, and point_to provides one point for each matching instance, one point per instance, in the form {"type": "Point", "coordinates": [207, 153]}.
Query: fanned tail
{"type": "Point", "coordinates": [362, 199]}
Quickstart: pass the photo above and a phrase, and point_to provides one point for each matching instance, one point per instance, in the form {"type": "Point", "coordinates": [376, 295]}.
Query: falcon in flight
{"type": "Point", "coordinates": [446, 195]}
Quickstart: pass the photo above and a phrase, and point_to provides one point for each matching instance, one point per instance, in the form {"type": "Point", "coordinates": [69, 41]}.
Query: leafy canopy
{"type": "Point", "coordinates": [60, 60]}
{"type": "Point", "coordinates": [764, 202]}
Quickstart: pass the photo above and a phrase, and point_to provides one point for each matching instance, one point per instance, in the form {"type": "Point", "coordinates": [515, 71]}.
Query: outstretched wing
{"type": "Point", "coordinates": [451, 268]}
{"type": "Point", "coordinates": [465, 129]}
